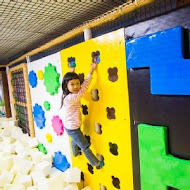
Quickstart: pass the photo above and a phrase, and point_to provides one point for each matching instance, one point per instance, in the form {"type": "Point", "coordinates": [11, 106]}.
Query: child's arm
{"type": "Point", "coordinates": [93, 66]}
{"type": "Point", "coordinates": [72, 69]}
{"type": "Point", "coordinates": [75, 97]}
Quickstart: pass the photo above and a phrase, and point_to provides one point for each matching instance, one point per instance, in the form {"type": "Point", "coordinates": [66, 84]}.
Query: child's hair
{"type": "Point", "coordinates": [67, 77]}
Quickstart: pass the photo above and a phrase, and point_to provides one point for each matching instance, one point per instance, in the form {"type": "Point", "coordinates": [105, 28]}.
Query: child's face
{"type": "Point", "coordinates": [73, 86]}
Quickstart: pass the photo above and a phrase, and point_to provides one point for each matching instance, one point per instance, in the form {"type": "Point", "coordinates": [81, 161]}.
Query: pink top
{"type": "Point", "coordinates": [72, 104]}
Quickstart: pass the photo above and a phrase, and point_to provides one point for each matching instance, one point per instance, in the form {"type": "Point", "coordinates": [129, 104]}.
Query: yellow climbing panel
{"type": "Point", "coordinates": [107, 122]}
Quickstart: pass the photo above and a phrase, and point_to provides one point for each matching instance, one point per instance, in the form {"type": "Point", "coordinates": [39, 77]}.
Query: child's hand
{"type": "Point", "coordinates": [93, 66]}
{"type": "Point", "coordinates": [72, 69]}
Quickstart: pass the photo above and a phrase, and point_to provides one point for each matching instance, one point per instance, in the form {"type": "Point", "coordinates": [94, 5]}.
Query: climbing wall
{"type": "Point", "coordinates": [45, 85]}
{"type": "Point", "coordinates": [106, 122]}
{"type": "Point", "coordinates": [159, 106]}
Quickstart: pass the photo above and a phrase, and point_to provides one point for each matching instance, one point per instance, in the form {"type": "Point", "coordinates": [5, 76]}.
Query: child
{"type": "Point", "coordinates": [72, 94]}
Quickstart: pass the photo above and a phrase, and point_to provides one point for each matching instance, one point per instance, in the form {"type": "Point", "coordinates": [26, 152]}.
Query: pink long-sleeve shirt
{"type": "Point", "coordinates": [72, 118]}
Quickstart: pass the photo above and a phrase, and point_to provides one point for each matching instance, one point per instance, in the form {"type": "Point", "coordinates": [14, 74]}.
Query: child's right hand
{"type": "Point", "coordinates": [93, 66]}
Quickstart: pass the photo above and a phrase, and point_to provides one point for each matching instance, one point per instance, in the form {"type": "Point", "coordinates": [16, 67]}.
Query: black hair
{"type": "Point", "coordinates": [67, 77]}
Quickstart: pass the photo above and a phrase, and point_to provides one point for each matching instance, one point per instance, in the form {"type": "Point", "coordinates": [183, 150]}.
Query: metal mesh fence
{"type": "Point", "coordinates": [26, 25]}
{"type": "Point", "coordinates": [158, 7]}
{"type": "Point", "coordinates": [19, 95]}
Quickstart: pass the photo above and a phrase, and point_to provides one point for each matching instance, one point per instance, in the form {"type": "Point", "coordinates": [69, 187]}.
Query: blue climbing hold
{"type": "Point", "coordinates": [32, 79]}
{"type": "Point", "coordinates": [39, 117]}
{"type": "Point", "coordinates": [60, 161]}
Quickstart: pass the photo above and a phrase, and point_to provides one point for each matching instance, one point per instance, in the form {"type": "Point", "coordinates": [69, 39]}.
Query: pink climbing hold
{"type": "Point", "coordinates": [57, 125]}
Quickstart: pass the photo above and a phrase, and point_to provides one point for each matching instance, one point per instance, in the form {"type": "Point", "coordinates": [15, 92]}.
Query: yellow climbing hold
{"type": "Point", "coordinates": [48, 138]}
{"type": "Point", "coordinates": [40, 75]}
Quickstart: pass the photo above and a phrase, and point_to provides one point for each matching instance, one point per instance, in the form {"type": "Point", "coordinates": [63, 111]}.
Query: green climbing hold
{"type": "Point", "coordinates": [42, 148]}
{"type": "Point", "coordinates": [46, 105]}
{"type": "Point", "coordinates": [51, 79]}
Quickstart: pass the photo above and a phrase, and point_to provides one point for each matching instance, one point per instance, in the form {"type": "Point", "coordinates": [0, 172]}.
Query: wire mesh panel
{"type": "Point", "coordinates": [156, 8]}
{"type": "Point", "coordinates": [20, 96]}
{"type": "Point", "coordinates": [22, 116]}
{"type": "Point", "coordinates": [18, 86]}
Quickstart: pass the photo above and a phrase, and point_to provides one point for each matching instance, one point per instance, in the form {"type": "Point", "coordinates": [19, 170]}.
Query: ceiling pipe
{"type": "Point", "coordinates": [87, 34]}
{"type": "Point", "coordinates": [106, 17]}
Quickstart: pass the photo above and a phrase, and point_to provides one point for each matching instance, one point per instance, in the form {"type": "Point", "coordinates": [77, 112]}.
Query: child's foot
{"type": "Point", "coordinates": [101, 165]}
{"type": "Point", "coordinates": [80, 152]}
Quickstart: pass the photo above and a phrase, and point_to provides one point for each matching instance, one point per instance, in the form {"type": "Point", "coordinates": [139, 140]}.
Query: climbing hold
{"type": "Point", "coordinates": [82, 176]}
{"type": "Point", "coordinates": [71, 62]}
{"type": "Point", "coordinates": [96, 57]}
{"type": "Point", "coordinates": [116, 182]}
{"type": "Point", "coordinates": [87, 138]}
{"type": "Point", "coordinates": [32, 79]}
{"type": "Point", "coordinates": [46, 105]}
{"type": "Point", "coordinates": [51, 79]}
{"type": "Point", "coordinates": [113, 76]}
{"type": "Point", "coordinates": [98, 128]}
{"type": "Point", "coordinates": [40, 75]}
{"type": "Point", "coordinates": [48, 137]}
{"type": "Point", "coordinates": [81, 77]}
{"type": "Point", "coordinates": [95, 96]}
{"type": "Point", "coordinates": [60, 161]}
{"type": "Point", "coordinates": [85, 109]}
{"type": "Point", "coordinates": [102, 187]}
{"type": "Point", "coordinates": [110, 113]}
{"type": "Point", "coordinates": [42, 148]}
{"type": "Point", "coordinates": [39, 117]}
{"type": "Point", "coordinates": [90, 168]}
{"type": "Point", "coordinates": [57, 125]}
{"type": "Point", "coordinates": [113, 148]}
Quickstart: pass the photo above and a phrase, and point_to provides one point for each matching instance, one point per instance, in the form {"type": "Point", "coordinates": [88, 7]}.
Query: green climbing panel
{"type": "Point", "coordinates": [158, 168]}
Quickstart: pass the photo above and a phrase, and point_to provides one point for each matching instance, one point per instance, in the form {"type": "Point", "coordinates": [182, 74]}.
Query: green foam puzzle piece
{"type": "Point", "coordinates": [158, 168]}
{"type": "Point", "coordinates": [51, 79]}
{"type": "Point", "coordinates": [42, 148]}
{"type": "Point", "coordinates": [46, 105]}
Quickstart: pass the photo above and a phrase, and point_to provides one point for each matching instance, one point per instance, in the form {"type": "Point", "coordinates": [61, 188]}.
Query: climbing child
{"type": "Point", "coordinates": [71, 103]}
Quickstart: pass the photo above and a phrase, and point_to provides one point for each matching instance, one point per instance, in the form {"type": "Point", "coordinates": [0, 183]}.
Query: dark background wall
{"type": "Point", "coordinates": [166, 110]}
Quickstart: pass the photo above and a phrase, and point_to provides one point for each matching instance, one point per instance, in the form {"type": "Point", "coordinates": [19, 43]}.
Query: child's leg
{"type": "Point", "coordinates": [82, 142]}
{"type": "Point", "coordinates": [75, 148]}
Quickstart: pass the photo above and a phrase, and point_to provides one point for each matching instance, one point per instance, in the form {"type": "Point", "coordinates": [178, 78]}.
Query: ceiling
{"type": "Point", "coordinates": [28, 24]}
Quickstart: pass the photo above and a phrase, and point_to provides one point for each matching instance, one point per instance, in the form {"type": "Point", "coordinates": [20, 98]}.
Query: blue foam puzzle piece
{"type": "Point", "coordinates": [39, 116]}
{"type": "Point", "coordinates": [32, 79]}
{"type": "Point", "coordinates": [60, 161]}
{"type": "Point", "coordinates": [162, 52]}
